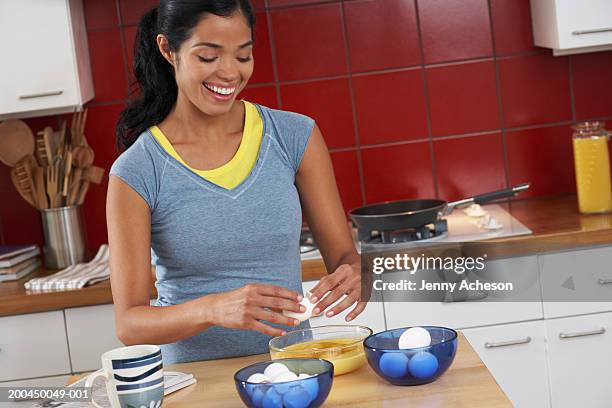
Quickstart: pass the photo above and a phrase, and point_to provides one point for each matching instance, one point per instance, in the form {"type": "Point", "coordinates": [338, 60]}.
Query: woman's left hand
{"type": "Point", "coordinates": [345, 280]}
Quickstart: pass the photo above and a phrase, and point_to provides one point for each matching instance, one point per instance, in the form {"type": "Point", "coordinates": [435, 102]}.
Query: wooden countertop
{"type": "Point", "coordinates": [554, 220]}
{"type": "Point", "coordinates": [467, 383]}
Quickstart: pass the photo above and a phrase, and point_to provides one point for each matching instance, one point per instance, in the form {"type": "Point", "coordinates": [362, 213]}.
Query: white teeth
{"type": "Point", "coordinates": [222, 91]}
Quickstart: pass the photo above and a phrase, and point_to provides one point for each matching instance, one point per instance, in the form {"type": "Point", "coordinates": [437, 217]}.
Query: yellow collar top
{"type": "Point", "coordinates": [235, 171]}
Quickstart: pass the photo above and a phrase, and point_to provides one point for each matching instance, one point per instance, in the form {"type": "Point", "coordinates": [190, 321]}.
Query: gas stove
{"type": "Point", "coordinates": [429, 232]}
{"type": "Point", "coordinates": [456, 227]}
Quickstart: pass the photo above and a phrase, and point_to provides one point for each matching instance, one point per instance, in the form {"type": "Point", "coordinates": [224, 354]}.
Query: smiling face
{"type": "Point", "coordinates": [214, 64]}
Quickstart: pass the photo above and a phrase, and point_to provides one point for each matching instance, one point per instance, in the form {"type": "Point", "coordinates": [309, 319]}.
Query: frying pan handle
{"type": "Point", "coordinates": [508, 192]}
{"type": "Point", "coordinates": [486, 197]}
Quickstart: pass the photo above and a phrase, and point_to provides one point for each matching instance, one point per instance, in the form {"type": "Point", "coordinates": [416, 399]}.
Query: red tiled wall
{"type": "Point", "coordinates": [420, 98]}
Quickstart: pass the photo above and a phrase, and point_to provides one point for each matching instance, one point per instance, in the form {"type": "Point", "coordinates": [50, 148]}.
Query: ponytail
{"type": "Point", "coordinates": [155, 76]}
{"type": "Point", "coordinates": [158, 91]}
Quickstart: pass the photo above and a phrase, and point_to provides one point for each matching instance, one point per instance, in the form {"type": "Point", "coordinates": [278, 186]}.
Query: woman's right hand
{"type": "Point", "coordinates": [246, 307]}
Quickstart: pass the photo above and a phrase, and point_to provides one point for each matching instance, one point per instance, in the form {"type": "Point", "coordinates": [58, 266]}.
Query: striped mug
{"type": "Point", "coordinates": [134, 377]}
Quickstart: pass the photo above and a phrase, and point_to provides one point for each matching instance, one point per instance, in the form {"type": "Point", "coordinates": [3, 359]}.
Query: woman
{"type": "Point", "coordinates": [210, 187]}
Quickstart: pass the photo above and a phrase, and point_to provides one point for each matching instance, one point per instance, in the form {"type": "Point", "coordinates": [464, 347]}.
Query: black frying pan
{"type": "Point", "coordinates": [397, 215]}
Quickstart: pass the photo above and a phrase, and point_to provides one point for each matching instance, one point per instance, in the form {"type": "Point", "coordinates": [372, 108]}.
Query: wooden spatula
{"type": "Point", "coordinates": [41, 151]}
{"type": "Point", "coordinates": [23, 187]}
{"type": "Point", "coordinates": [39, 186]}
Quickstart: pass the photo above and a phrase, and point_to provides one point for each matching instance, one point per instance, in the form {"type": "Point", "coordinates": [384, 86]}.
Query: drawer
{"type": "Point", "coordinates": [515, 354]}
{"type": "Point", "coordinates": [576, 282]}
{"type": "Point", "coordinates": [33, 345]}
{"type": "Point", "coordinates": [372, 317]}
{"type": "Point", "coordinates": [91, 332]}
{"type": "Point", "coordinates": [580, 357]}
{"type": "Point", "coordinates": [403, 309]}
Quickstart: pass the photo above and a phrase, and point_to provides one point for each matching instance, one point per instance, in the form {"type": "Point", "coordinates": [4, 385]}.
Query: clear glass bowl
{"type": "Point", "coordinates": [341, 345]}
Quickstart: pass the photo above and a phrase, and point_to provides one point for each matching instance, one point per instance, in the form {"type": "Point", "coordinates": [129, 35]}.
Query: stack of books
{"type": "Point", "coordinates": [17, 261]}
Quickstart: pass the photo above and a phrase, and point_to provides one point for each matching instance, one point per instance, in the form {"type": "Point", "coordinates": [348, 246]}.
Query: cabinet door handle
{"type": "Point", "coordinates": [604, 281]}
{"type": "Point", "coordinates": [40, 95]}
{"type": "Point", "coordinates": [593, 31]}
{"type": "Point", "coordinates": [582, 334]}
{"type": "Point", "coordinates": [507, 343]}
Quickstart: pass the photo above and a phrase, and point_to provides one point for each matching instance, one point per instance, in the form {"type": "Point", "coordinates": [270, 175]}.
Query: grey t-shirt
{"type": "Point", "coordinates": [207, 239]}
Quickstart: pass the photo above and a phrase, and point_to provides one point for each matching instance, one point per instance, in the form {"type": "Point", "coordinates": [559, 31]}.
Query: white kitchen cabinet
{"type": "Point", "coordinates": [91, 332]}
{"type": "Point", "coordinates": [572, 26]}
{"type": "Point", "coordinates": [47, 69]}
{"type": "Point", "coordinates": [580, 357]}
{"type": "Point", "coordinates": [577, 282]}
{"type": "Point", "coordinates": [516, 356]}
{"type": "Point", "coordinates": [33, 345]}
{"type": "Point", "coordinates": [372, 316]}
{"type": "Point", "coordinates": [500, 307]}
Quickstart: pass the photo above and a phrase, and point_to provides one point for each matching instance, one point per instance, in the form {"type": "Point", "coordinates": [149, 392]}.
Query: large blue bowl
{"type": "Point", "coordinates": [411, 366]}
{"type": "Point", "coordinates": [303, 393]}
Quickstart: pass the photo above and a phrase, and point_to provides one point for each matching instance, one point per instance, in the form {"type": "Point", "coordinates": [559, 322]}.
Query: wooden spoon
{"type": "Point", "coordinates": [39, 185]}
{"type": "Point", "coordinates": [93, 174]}
{"type": "Point", "coordinates": [16, 141]}
{"type": "Point", "coordinates": [82, 156]}
{"type": "Point", "coordinates": [67, 170]}
{"type": "Point", "coordinates": [78, 128]}
{"type": "Point", "coordinates": [82, 193]}
{"type": "Point", "coordinates": [50, 149]}
{"type": "Point", "coordinates": [75, 184]}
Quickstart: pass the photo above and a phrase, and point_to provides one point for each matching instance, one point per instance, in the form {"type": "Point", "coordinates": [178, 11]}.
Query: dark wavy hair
{"type": "Point", "coordinates": [175, 19]}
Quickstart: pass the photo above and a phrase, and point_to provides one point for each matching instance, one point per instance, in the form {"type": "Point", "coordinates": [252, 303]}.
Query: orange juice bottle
{"type": "Point", "coordinates": [592, 162]}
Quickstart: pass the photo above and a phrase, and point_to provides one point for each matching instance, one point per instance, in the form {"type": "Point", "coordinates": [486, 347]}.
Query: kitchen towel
{"type": "Point", "coordinates": [75, 276]}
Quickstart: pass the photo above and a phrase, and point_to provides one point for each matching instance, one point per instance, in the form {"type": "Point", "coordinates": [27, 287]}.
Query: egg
{"type": "Point", "coordinates": [414, 337]}
{"type": "Point", "coordinates": [258, 394]}
{"type": "Point", "coordinates": [258, 378]}
{"type": "Point", "coordinates": [284, 382]}
{"type": "Point", "coordinates": [286, 376]}
{"type": "Point", "coordinates": [394, 365]}
{"type": "Point", "coordinates": [423, 365]}
{"type": "Point", "coordinates": [274, 370]}
{"type": "Point", "coordinates": [304, 375]}
{"type": "Point", "coordinates": [296, 397]}
{"type": "Point", "coordinates": [304, 315]}
{"type": "Point", "coordinates": [272, 399]}
{"type": "Point", "coordinates": [311, 386]}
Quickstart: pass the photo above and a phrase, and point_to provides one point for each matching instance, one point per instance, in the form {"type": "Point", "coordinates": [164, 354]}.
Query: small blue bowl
{"type": "Point", "coordinates": [414, 366]}
{"type": "Point", "coordinates": [303, 393]}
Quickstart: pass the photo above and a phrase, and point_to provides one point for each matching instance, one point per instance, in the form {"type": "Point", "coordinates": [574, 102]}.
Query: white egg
{"type": "Point", "coordinates": [414, 337]}
{"type": "Point", "coordinates": [304, 315]}
{"type": "Point", "coordinates": [286, 376]}
{"type": "Point", "coordinates": [258, 378]}
{"type": "Point", "coordinates": [275, 369]}
{"type": "Point", "coordinates": [304, 375]}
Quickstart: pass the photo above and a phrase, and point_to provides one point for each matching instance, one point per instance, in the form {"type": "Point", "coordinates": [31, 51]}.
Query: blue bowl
{"type": "Point", "coordinates": [411, 366]}
{"type": "Point", "coordinates": [302, 393]}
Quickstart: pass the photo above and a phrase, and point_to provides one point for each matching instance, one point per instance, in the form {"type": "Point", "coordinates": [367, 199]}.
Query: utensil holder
{"type": "Point", "coordinates": [64, 234]}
